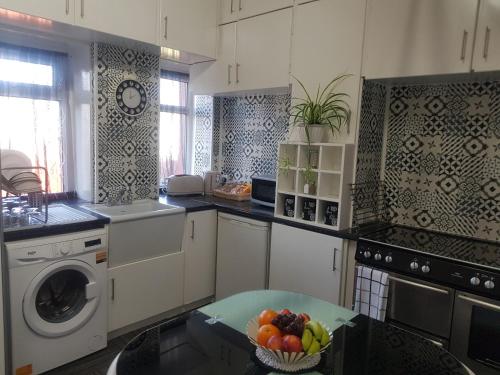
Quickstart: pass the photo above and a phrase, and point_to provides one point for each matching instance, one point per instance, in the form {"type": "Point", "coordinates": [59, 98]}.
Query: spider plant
{"type": "Point", "coordinates": [327, 107]}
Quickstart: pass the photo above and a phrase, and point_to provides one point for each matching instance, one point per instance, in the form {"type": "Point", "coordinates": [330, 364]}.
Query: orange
{"type": "Point", "coordinates": [265, 332]}
{"type": "Point", "coordinates": [267, 316]}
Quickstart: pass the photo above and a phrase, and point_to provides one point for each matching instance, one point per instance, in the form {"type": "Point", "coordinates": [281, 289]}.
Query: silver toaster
{"type": "Point", "coordinates": [184, 184]}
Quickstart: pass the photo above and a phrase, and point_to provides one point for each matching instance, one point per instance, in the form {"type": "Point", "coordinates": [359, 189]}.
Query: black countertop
{"type": "Point", "coordinates": [189, 345]}
{"type": "Point", "coordinates": [43, 230]}
{"type": "Point", "coordinates": [247, 209]}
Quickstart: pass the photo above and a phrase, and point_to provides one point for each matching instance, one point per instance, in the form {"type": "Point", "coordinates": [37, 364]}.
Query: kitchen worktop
{"type": "Point", "coordinates": [212, 340]}
{"type": "Point", "coordinates": [247, 209]}
{"type": "Point", "coordinates": [94, 221]}
{"type": "Point", "coordinates": [190, 203]}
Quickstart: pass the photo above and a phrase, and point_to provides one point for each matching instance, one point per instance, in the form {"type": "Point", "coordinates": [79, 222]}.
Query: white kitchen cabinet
{"type": "Point", "coordinates": [56, 10]}
{"type": "Point", "coordinates": [242, 255]}
{"type": "Point", "coordinates": [418, 37]}
{"type": "Point", "coordinates": [189, 26]}
{"type": "Point", "coordinates": [252, 54]}
{"type": "Point", "coordinates": [249, 8]}
{"type": "Point", "coordinates": [132, 19]}
{"type": "Point", "coordinates": [228, 11]}
{"type": "Point", "coordinates": [144, 289]}
{"type": "Point", "coordinates": [200, 248]}
{"type": "Point", "coordinates": [217, 76]}
{"type": "Point", "coordinates": [332, 53]}
{"type": "Point", "coordinates": [306, 262]}
{"type": "Point", "coordinates": [232, 10]}
{"type": "Point", "coordinates": [487, 46]}
{"type": "Point", "coordinates": [263, 51]}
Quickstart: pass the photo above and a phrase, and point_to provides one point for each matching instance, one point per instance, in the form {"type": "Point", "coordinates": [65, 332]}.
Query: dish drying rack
{"type": "Point", "coordinates": [38, 198]}
{"type": "Point", "coordinates": [369, 204]}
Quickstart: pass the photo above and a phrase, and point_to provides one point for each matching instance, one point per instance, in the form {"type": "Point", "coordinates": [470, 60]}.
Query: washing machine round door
{"type": "Point", "coordinates": [61, 298]}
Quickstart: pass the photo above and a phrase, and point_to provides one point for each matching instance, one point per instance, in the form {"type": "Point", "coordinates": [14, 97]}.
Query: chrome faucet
{"type": "Point", "coordinates": [124, 196]}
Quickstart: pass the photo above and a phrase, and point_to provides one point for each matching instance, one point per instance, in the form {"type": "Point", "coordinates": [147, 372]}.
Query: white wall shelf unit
{"type": "Point", "coordinates": [333, 174]}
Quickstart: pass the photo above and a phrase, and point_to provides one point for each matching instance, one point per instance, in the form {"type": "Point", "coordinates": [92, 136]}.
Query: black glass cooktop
{"type": "Point", "coordinates": [470, 251]}
{"type": "Point", "coordinates": [189, 345]}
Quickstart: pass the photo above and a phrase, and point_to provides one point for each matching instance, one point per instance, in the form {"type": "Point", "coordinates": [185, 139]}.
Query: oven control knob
{"type": "Point", "coordinates": [489, 284]}
{"type": "Point", "coordinates": [388, 259]}
{"type": "Point", "coordinates": [475, 281]}
{"type": "Point", "coordinates": [414, 266]}
{"type": "Point", "coordinates": [367, 254]}
{"type": "Point", "coordinates": [426, 269]}
{"type": "Point", "coordinates": [378, 256]}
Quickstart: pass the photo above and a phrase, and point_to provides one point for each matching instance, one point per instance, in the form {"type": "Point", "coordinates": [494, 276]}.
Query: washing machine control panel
{"type": "Point", "coordinates": [67, 246]}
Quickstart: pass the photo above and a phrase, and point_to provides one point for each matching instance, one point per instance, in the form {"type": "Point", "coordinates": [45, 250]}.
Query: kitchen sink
{"type": "Point", "coordinates": [137, 210]}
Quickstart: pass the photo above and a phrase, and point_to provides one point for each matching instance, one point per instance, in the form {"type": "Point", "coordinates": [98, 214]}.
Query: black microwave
{"type": "Point", "coordinates": [264, 190]}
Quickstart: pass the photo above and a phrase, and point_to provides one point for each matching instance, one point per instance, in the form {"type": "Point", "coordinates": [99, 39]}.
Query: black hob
{"type": "Point", "coordinates": [460, 262]}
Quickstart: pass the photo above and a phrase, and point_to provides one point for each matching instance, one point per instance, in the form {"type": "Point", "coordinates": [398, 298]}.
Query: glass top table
{"type": "Point", "coordinates": [212, 341]}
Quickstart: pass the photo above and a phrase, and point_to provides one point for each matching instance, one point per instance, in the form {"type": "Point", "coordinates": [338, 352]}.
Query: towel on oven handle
{"type": "Point", "coordinates": [372, 289]}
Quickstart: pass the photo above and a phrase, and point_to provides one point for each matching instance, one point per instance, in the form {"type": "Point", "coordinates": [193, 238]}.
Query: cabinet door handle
{"type": "Point", "coordinates": [232, 3]}
{"type": "Point", "coordinates": [464, 45]}
{"type": "Point", "coordinates": [237, 73]}
{"type": "Point", "coordinates": [192, 229]}
{"type": "Point", "coordinates": [486, 42]}
{"type": "Point", "coordinates": [82, 8]}
{"type": "Point", "coordinates": [166, 28]}
{"type": "Point", "coordinates": [229, 66]}
{"type": "Point", "coordinates": [112, 289]}
{"type": "Point", "coordinates": [67, 7]}
{"type": "Point", "coordinates": [334, 267]}
{"type": "Point", "coordinates": [239, 6]}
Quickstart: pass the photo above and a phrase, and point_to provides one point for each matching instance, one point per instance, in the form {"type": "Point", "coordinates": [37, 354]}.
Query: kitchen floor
{"type": "Point", "coordinates": [99, 362]}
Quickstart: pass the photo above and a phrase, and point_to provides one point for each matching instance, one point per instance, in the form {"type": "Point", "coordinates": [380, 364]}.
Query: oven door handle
{"type": "Point", "coordinates": [417, 285]}
{"type": "Point", "coordinates": [479, 303]}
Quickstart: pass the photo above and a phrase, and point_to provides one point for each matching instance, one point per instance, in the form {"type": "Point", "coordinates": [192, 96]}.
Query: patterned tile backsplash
{"type": "Point", "coordinates": [127, 146]}
{"type": "Point", "coordinates": [246, 131]}
{"type": "Point", "coordinates": [442, 161]}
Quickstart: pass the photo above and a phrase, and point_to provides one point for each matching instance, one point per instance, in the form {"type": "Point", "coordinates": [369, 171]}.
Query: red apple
{"type": "Point", "coordinates": [275, 343]}
{"type": "Point", "coordinates": [292, 344]}
{"type": "Point", "coordinates": [305, 317]}
{"type": "Point", "coordinates": [285, 312]}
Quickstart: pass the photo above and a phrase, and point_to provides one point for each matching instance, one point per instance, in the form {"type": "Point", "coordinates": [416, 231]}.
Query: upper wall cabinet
{"type": "Point", "coordinates": [321, 50]}
{"type": "Point", "coordinates": [418, 37]}
{"type": "Point", "coordinates": [487, 46]}
{"type": "Point", "coordinates": [217, 76]}
{"type": "Point", "coordinates": [56, 10]}
{"type": "Point", "coordinates": [128, 18]}
{"type": "Point", "coordinates": [251, 54]}
{"type": "Point", "coordinates": [189, 26]}
{"type": "Point", "coordinates": [232, 10]}
{"type": "Point", "coordinates": [263, 51]}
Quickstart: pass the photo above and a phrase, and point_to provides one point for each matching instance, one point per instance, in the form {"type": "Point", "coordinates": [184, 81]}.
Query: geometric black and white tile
{"type": "Point", "coordinates": [442, 161]}
{"type": "Point", "coordinates": [203, 121]}
{"type": "Point", "coordinates": [251, 128]}
{"type": "Point", "coordinates": [127, 146]}
{"type": "Point", "coordinates": [245, 133]}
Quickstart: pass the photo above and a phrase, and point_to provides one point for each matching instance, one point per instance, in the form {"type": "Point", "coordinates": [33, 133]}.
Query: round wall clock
{"type": "Point", "coordinates": [131, 97]}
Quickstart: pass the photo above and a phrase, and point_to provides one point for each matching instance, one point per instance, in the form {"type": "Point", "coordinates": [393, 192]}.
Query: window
{"type": "Point", "coordinates": [33, 104]}
{"type": "Point", "coordinates": [173, 123]}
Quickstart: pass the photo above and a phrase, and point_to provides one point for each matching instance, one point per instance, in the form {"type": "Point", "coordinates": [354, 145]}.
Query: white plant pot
{"type": "Point", "coordinates": [317, 133]}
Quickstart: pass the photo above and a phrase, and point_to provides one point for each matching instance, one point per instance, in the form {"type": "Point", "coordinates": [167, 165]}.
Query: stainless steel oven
{"type": "Point", "coordinates": [475, 336]}
{"type": "Point", "coordinates": [420, 306]}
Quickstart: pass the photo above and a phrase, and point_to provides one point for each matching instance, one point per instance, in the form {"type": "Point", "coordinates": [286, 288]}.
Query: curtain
{"type": "Point", "coordinates": [173, 124]}
{"type": "Point", "coordinates": [33, 96]}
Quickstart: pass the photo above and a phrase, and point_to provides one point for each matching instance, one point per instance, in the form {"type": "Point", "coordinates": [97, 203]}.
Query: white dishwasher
{"type": "Point", "coordinates": [242, 255]}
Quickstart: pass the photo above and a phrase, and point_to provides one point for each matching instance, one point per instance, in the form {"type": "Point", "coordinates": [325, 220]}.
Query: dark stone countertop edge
{"type": "Point", "coordinates": [191, 204]}
{"type": "Point", "coordinates": [251, 211]}
{"type": "Point", "coordinates": [52, 230]}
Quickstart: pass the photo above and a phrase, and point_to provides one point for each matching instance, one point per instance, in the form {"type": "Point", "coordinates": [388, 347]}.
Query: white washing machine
{"type": "Point", "coordinates": [58, 299]}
